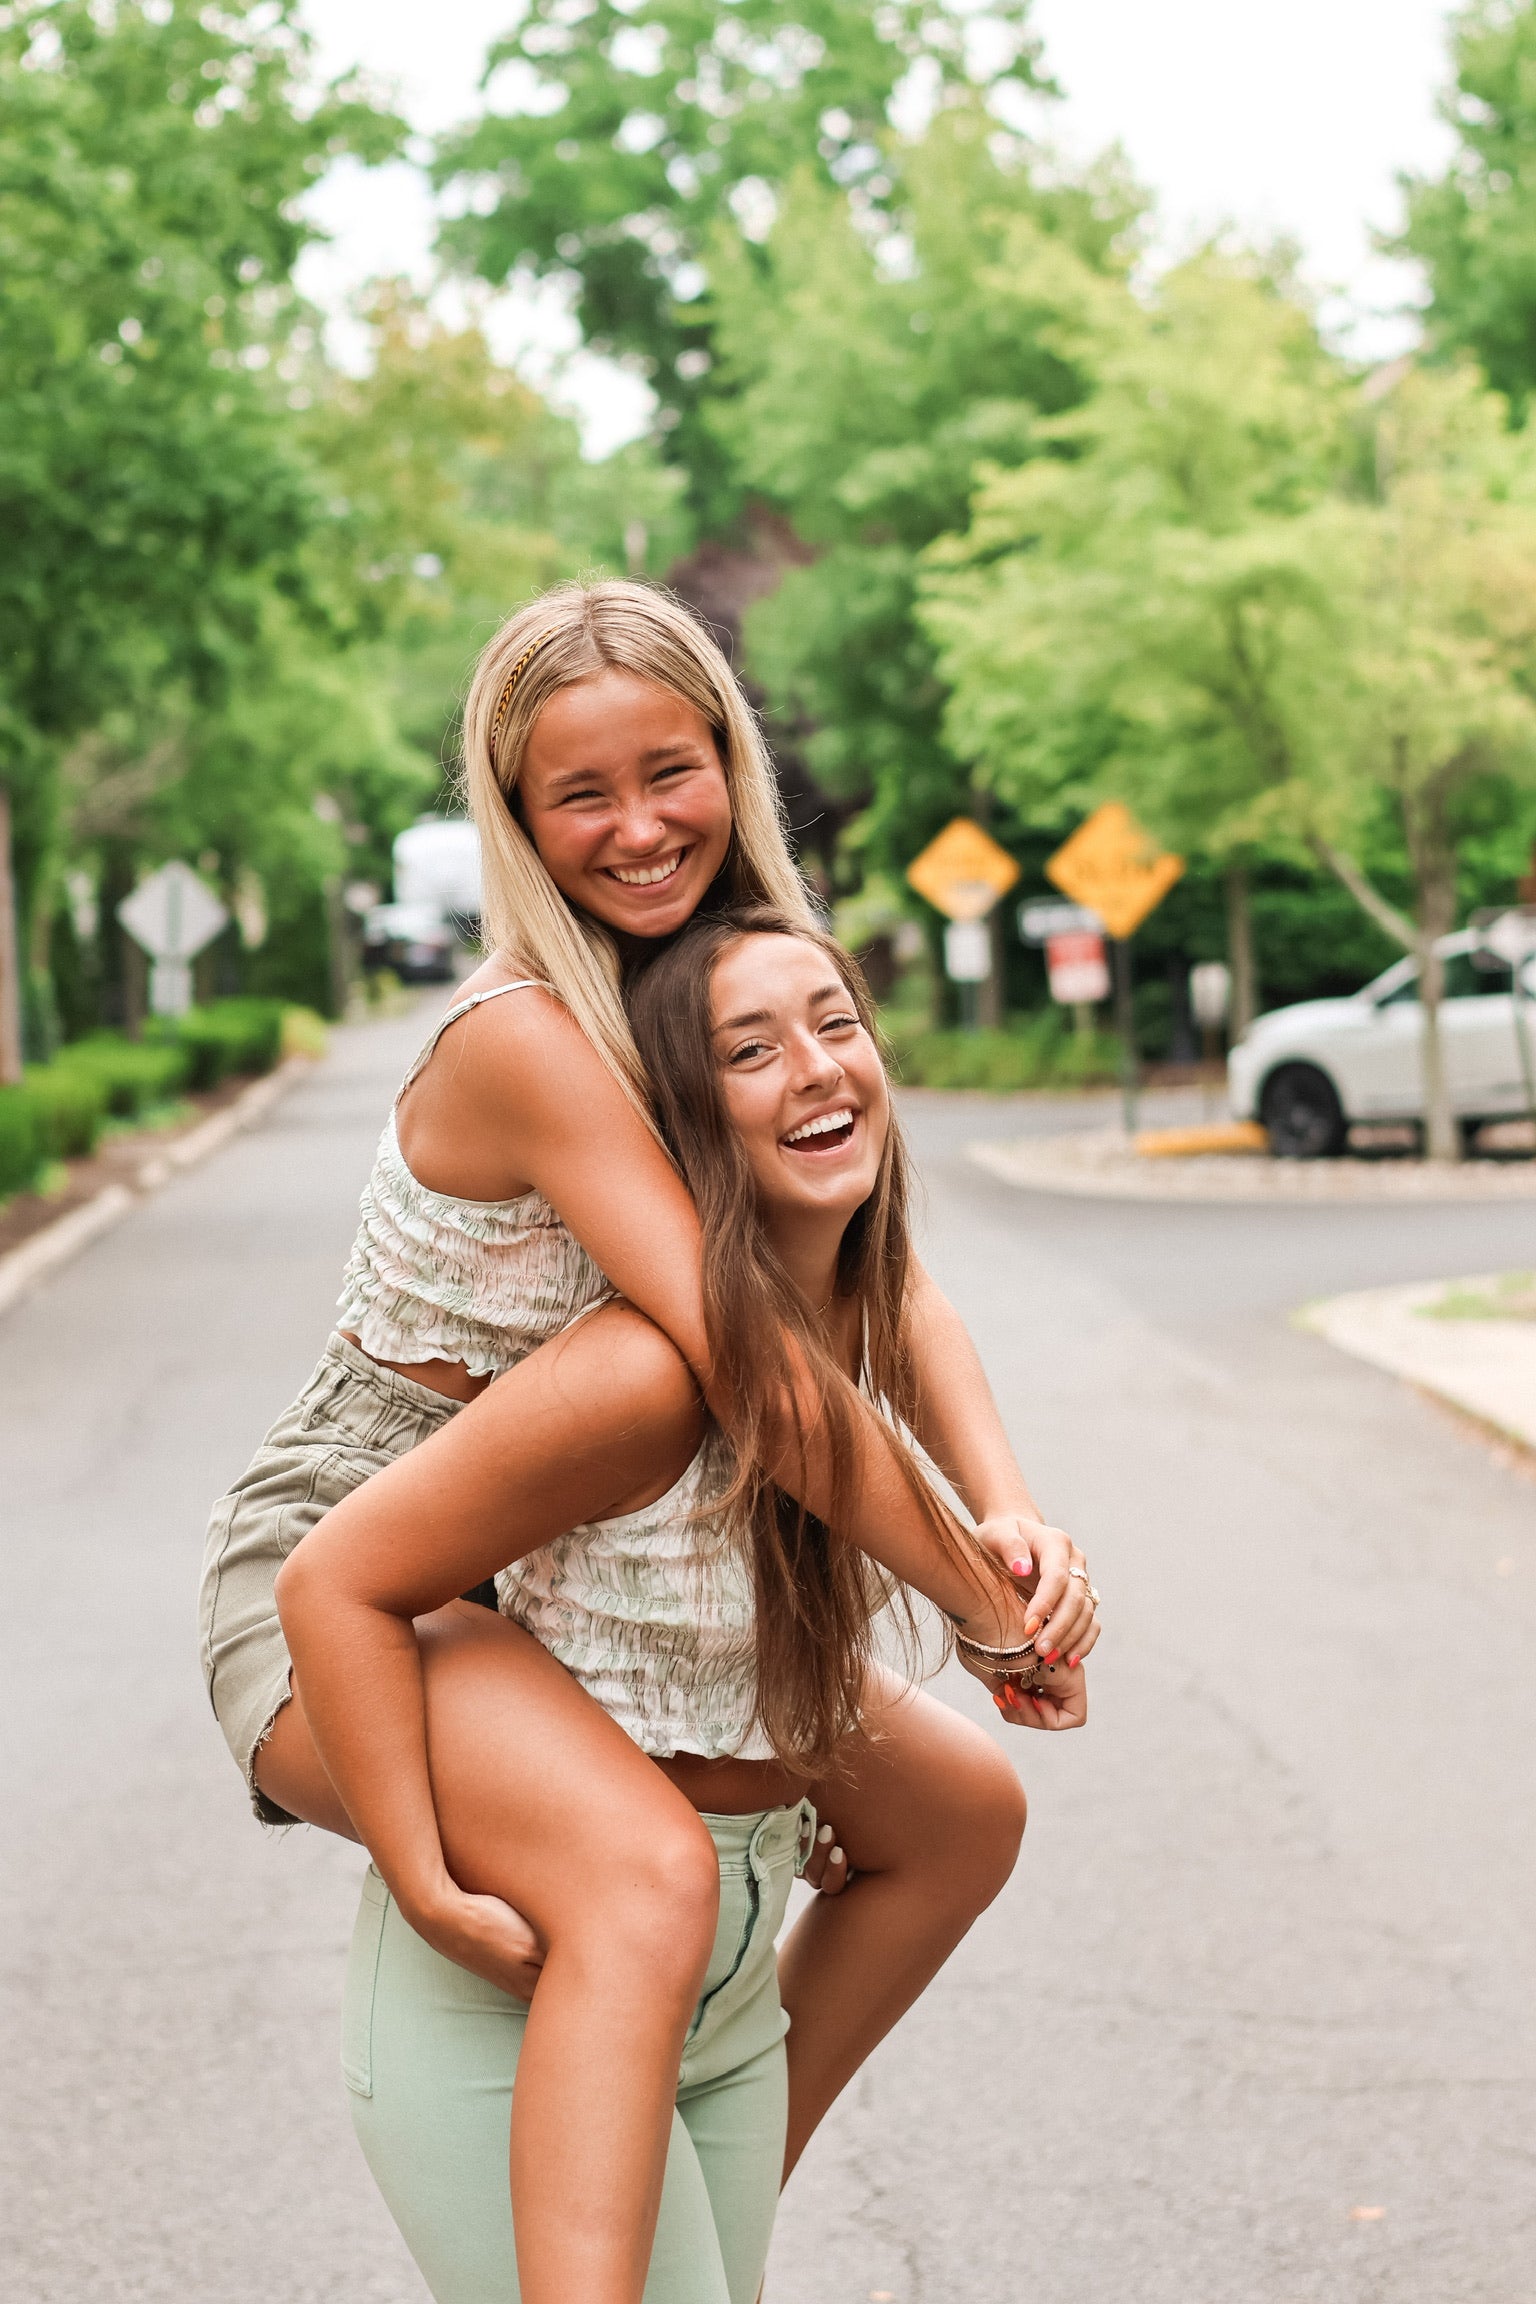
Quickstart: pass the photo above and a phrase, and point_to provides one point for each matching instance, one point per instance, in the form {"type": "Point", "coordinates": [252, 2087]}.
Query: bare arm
{"type": "Point", "coordinates": [533, 1079]}
{"type": "Point", "coordinates": [565, 1437]}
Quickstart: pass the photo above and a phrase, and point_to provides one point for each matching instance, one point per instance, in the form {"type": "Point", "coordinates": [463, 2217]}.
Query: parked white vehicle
{"type": "Point", "coordinates": [1311, 1072]}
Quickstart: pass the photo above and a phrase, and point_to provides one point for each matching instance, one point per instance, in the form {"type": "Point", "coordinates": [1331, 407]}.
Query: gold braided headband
{"type": "Point", "coordinates": [513, 677]}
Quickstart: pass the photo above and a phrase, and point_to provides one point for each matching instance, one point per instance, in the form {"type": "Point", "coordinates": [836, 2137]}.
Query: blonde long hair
{"type": "Point", "coordinates": [568, 634]}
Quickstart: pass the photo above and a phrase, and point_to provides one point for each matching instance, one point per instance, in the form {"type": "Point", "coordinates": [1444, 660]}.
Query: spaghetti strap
{"type": "Point", "coordinates": [462, 1008]}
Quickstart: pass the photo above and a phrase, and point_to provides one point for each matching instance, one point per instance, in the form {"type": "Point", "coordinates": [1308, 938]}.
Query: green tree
{"type": "Point", "coordinates": [151, 491]}
{"type": "Point", "coordinates": [1107, 612]}
{"type": "Point", "coordinates": [627, 134]}
{"type": "Point", "coordinates": [861, 399]}
{"type": "Point", "coordinates": [1474, 227]}
{"type": "Point", "coordinates": [463, 493]}
{"type": "Point", "coordinates": [1353, 644]}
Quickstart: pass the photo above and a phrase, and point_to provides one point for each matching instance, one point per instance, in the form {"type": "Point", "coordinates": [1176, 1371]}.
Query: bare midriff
{"type": "Point", "coordinates": [732, 1787]}
{"type": "Point", "coordinates": [449, 1377]}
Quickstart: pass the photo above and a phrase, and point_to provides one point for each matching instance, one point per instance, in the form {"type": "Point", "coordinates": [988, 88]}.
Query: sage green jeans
{"type": "Point", "coordinates": [430, 2052]}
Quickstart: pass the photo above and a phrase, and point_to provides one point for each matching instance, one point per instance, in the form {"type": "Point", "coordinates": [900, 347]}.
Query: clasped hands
{"type": "Point", "coordinates": [1058, 1610]}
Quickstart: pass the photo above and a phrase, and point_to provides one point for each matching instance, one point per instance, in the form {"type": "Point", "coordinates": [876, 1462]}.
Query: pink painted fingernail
{"type": "Point", "coordinates": [1021, 1567]}
{"type": "Point", "coordinates": [1049, 1655]}
{"type": "Point", "coordinates": [1073, 1663]}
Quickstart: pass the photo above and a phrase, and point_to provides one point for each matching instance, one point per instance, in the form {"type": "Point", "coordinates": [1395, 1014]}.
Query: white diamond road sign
{"type": "Point", "coordinates": [172, 915]}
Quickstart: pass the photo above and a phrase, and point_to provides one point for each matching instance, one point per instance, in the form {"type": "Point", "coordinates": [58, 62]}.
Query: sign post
{"type": "Point", "coordinates": [1117, 870]}
{"type": "Point", "coordinates": [171, 916]}
{"type": "Point", "coordinates": [962, 873]}
{"type": "Point", "coordinates": [1210, 996]}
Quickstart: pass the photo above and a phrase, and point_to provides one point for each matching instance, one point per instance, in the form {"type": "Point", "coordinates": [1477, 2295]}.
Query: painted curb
{"type": "Point", "coordinates": [59, 1241]}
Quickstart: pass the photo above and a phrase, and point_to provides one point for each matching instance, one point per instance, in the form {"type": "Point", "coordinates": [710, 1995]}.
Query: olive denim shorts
{"type": "Point", "coordinates": [351, 1419]}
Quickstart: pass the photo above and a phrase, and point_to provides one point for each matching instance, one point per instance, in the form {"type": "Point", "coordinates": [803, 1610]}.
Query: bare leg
{"type": "Point", "coordinates": [931, 1815]}
{"type": "Point", "coordinates": [543, 1802]}
{"type": "Point", "coordinates": [620, 1879]}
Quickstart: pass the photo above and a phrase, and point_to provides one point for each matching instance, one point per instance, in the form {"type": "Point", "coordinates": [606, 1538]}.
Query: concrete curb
{"type": "Point", "coordinates": [1098, 1164]}
{"type": "Point", "coordinates": [58, 1242]}
{"type": "Point", "coordinates": [1484, 1368]}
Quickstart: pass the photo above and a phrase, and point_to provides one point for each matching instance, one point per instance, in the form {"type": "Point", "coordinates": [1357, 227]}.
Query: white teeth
{"type": "Point", "coordinates": [822, 1127]}
{"type": "Point", "coordinates": [647, 875]}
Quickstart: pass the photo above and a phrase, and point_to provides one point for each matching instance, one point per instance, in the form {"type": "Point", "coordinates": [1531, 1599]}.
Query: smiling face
{"type": "Point", "coordinates": [622, 793]}
{"type": "Point", "coordinates": [802, 1081]}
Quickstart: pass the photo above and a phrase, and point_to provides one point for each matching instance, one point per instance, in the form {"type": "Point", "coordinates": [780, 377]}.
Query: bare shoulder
{"type": "Point", "coordinates": [503, 1080]}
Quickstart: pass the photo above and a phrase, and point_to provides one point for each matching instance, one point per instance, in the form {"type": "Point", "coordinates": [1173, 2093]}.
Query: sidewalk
{"type": "Point", "coordinates": [1452, 1338]}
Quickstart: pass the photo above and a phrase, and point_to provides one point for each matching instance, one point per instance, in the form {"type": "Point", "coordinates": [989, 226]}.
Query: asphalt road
{"type": "Point", "coordinates": [1267, 1960]}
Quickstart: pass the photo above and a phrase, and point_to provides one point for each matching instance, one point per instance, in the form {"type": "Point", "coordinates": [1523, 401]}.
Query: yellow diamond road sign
{"type": "Point", "coordinates": [1115, 868]}
{"type": "Point", "coordinates": [963, 872]}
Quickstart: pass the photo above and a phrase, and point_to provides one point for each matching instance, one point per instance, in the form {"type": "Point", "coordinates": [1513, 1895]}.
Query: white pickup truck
{"type": "Point", "coordinates": [1309, 1073]}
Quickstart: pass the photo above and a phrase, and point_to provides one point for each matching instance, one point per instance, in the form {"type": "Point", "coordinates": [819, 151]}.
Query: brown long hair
{"type": "Point", "coordinates": [817, 1595]}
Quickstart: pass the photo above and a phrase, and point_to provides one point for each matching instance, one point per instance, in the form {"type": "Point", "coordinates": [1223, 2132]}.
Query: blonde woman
{"type": "Point", "coordinates": [620, 784]}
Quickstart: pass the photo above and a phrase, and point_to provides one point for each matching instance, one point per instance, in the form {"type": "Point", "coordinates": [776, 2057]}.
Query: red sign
{"type": "Point", "coordinates": [1077, 967]}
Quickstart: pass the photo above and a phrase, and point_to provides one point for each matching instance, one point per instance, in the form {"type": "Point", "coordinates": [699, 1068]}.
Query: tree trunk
{"type": "Point", "coordinates": [1245, 987]}
{"type": "Point", "coordinates": [10, 955]}
{"type": "Point", "coordinates": [1442, 1138]}
{"type": "Point", "coordinates": [1432, 854]}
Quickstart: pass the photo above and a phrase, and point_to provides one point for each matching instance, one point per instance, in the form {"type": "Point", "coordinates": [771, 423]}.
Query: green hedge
{"type": "Point", "coordinates": [1033, 1052]}
{"type": "Point", "coordinates": [59, 1110]}
{"type": "Point", "coordinates": [132, 1074]}
{"type": "Point", "coordinates": [22, 1149]}
{"type": "Point", "coordinates": [71, 1106]}
{"type": "Point", "coordinates": [228, 1038]}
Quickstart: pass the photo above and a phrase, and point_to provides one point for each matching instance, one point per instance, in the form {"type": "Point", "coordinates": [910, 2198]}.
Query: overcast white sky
{"type": "Point", "coordinates": [1275, 115]}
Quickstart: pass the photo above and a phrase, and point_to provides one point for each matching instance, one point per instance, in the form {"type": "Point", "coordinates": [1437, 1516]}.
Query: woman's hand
{"type": "Point", "coordinates": [1058, 1699]}
{"type": "Point", "coordinates": [826, 1868]}
{"type": "Point", "coordinates": [1052, 1575]}
{"type": "Point", "coordinates": [485, 1936]}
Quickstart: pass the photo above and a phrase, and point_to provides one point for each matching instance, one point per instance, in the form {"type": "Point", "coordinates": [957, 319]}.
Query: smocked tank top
{"type": "Point", "coordinates": [653, 1612]}
{"type": "Point", "coordinates": [432, 1277]}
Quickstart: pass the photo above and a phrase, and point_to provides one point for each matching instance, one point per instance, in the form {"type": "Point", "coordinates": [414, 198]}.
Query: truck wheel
{"type": "Point", "coordinates": [1302, 1114]}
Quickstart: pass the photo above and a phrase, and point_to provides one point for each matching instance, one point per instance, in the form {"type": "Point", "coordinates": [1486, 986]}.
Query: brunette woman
{"type": "Point", "coordinates": [722, 1630]}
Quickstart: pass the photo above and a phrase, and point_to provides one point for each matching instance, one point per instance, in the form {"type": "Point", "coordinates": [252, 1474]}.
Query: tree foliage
{"type": "Point", "coordinates": [1474, 227]}
{"type": "Point", "coordinates": [862, 400]}
{"type": "Point", "coordinates": [236, 583]}
{"type": "Point", "coordinates": [622, 140]}
{"type": "Point", "coordinates": [1274, 612]}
